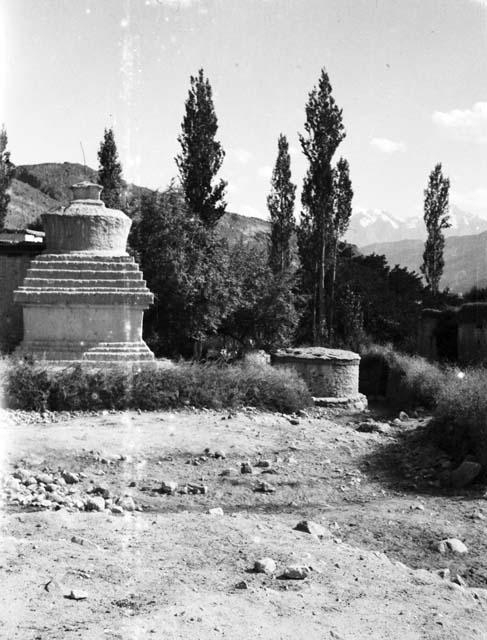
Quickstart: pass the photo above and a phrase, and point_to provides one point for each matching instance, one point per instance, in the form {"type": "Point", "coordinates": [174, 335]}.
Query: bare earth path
{"type": "Point", "coordinates": [171, 570]}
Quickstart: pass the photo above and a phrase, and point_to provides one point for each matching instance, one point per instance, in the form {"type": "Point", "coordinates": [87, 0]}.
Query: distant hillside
{"type": "Point", "coordinates": [368, 226]}
{"type": "Point", "coordinates": [41, 187]}
{"type": "Point", "coordinates": [236, 228]}
{"type": "Point", "coordinates": [465, 259]}
{"type": "Point", "coordinates": [55, 179]}
{"type": "Point", "coordinates": [26, 205]}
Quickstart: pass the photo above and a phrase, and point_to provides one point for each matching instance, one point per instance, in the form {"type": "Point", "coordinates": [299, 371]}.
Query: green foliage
{"type": "Point", "coordinates": [201, 155]}
{"type": "Point", "coordinates": [280, 203]}
{"type": "Point", "coordinates": [261, 312]}
{"type": "Point", "coordinates": [324, 132]}
{"type": "Point", "coordinates": [185, 267]}
{"type": "Point", "coordinates": [390, 299]}
{"type": "Point", "coordinates": [110, 172]}
{"type": "Point", "coordinates": [411, 381]}
{"type": "Point", "coordinates": [7, 171]}
{"type": "Point", "coordinates": [476, 294]}
{"type": "Point", "coordinates": [38, 388]}
{"type": "Point", "coordinates": [436, 219]}
{"type": "Point", "coordinates": [460, 423]}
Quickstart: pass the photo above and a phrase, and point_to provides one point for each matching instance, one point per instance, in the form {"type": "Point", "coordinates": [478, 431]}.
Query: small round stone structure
{"type": "Point", "coordinates": [83, 299]}
{"type": "Point", "coordinates": [332, 375]}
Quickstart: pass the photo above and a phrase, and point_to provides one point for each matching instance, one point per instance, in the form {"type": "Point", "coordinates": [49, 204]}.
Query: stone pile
{"type": "Point", "coordinates": [53, 490]}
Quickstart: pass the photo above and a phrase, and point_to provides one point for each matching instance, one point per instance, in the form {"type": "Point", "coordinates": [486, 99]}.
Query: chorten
{"type": "Point", "coordinates": [83, 298]}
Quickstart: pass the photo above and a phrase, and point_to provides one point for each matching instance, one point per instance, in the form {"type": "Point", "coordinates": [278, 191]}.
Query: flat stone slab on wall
{"type": "Point", "coordinates": [331, 374]}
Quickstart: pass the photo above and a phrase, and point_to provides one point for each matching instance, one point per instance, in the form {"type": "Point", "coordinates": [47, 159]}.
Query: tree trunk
{"type": "Point", "coordinates": [331, 309]}
{"type": "Point", "coordinates": [321, 290]}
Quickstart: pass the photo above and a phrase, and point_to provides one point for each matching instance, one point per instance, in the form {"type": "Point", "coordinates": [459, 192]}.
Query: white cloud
{"type": "Point", "coordinates": [474, 201]}
{"type": "Point", "coordinates": [265, 171]}
{"type": "Point", "coordinates": [465, 124]}
{"type": "Point", "coordinates": [241, 155]}
{"type": "Point", "coordinates": [387, 146]}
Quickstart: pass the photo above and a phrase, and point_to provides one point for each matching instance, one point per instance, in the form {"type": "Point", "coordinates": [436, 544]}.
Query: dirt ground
{"type": "Point", "coordinates": [173, 570]}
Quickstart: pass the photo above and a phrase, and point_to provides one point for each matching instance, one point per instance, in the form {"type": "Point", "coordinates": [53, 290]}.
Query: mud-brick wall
{"type": "Point", "coordinates": [14, 263]}
{"type": "Point", "coordinates": [472, 333]}
{"type": "Point", "coordinates": [427, 346]}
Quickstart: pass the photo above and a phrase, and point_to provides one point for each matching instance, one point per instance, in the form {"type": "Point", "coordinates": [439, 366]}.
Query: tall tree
{"type": "Point", "coordinates": [341, 213]}
{"type": "Point", "coordinates": [6, 174]}
{"type": "Point", "coordinates": [185, 267]}
{"type": "Point", "coordinates": [323, 133]}
{"type": "Point", "coordinates": [280, 203]}
{"type": "Point", "coordinates": [110, 172]}
{"type": "Point", "coordinates": [436, 218]}
{"type": "Point", "coordinates": [201, 154]}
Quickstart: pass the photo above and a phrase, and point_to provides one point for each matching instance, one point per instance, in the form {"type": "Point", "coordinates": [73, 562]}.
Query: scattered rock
{"type": "Point", "coordinates": [117, 509]}
{"type": "Point", "coordinates": [403, 416]}
{"type": "Point", "coordinates": [294, 421]}
{"type": "Point", "coordinates": [242, 585]}
{"type": "Point", "coordinates": [264, 464]}
{"type": "Point", "coordinates": [168, 488]}
{"type": "Point", "coordinates": [197, 488]}
{"type": "Point", "coordinates": [127, 503]}
{"type": "Point", "coordinates": [219, 454]}
{"type": "Point", "coordinates": [96, 503]}
{"type": "Point", "coordinates": [69, 477]}
{"type": "Point", "coordinates": [216, 511]}
{"type": "Point", "coordinates": [246, 467]}
{"type": "Point", "coordinates": [76, 594]}
{"type": "Point", "coordinates": [443, 573]}
{"type": "Point", "coordinates": [457, 579]}
{"type": "Point", "coordinates": [100, 490]}
{"type": "Point", "coordinates": [265, 565]}
{"type": "Point", "coordinates": [371, 426]}
{"type": "Point", "coordinates": [295, 572]}
{"type": "Point", "coordinates": [465, 474]}
{"type": "Point", "coordinates": [315, 529]}
{"type": "Point", "coordinates": [264, 487]}
{"type": "Point", "coordinates": [44, 478]}
{"type": "Point", "coordinates": [228, 472]}
{"type": "Point", "coordinates": [452, 544]}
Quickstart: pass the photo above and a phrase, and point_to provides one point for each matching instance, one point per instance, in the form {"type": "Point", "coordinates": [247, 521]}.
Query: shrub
{"type": "Point", "coordinates": [36, 387]}
{"type": "Point", "coordinates": [405, 380]}
{"type": "Point", "coordinates": [460, 424]}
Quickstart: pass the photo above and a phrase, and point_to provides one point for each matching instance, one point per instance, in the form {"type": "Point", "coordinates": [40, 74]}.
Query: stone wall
{"type": "Point", "coordinates": [472, 333]}
{"type": "Point", "coordinates": [15, 259]}
{"type": "Point", "coordinates": [329, 373]}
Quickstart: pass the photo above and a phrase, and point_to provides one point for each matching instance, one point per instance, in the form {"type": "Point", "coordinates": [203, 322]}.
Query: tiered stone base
{"type": "Point", "coordinates": [357, 402]}
{"type": "Point", "coordinates": [84, 308]}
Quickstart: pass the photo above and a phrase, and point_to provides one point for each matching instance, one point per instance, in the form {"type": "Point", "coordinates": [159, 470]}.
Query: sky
{"type": "Point", "coordinates": [410, 76]}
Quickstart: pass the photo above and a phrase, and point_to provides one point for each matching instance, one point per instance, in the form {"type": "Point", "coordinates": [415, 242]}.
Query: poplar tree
{"type": "Point", "coordinates": [323, 133]}
{"type": "Point", "coordinates": [280, 203]}
{"type": "Point", "coordinates": [341, 213]}
{"type": "Point", "coordinates": [201, 154]}
{"type": "Point", "coordinates": [436, 218]}
{"type": "Point", "coordinates": [110, 172]}
{"type": "Point", "coordinates": [7, 170]}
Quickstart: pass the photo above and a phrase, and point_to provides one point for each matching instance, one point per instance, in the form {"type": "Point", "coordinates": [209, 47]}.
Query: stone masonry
{"type": "Point", "coordinates": [83, 299]}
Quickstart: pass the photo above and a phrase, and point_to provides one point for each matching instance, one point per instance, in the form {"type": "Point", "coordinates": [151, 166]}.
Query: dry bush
{"type": "Point", "coordinates": [406, 381]}
{"type": "Point", "coordinates": [460, 424]}
{"type": "Point", "coordinates": [37, 387]}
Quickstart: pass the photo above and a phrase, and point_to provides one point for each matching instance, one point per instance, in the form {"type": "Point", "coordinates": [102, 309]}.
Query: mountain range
{"type": "Point", "coordinates": [370, 226]}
